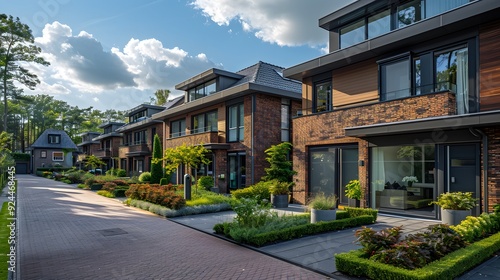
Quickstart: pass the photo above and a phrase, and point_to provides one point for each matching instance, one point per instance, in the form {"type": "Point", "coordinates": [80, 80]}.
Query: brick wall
{"type": "Point", "coordinates": [328, 129]}
{"type": "Point", "coordinates": [493, 134]}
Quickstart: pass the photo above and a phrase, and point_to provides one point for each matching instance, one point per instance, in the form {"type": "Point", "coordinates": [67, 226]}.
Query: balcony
{"type": "Point", "coordinates": [135, 150]}
{"type": "Point", "coordinates": [103, 153]}
{"type": "Point", "coordinates": [208, 137]}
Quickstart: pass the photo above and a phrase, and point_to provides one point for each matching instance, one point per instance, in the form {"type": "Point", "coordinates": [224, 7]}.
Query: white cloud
{"type": "Point", "coordinates": [83, 73]}
{"type": "Point", "coordinates": [283, 22]}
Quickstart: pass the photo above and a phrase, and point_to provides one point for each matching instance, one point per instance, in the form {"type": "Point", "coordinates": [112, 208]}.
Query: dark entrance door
{"type": "Point", "coordinates": [463, 168]}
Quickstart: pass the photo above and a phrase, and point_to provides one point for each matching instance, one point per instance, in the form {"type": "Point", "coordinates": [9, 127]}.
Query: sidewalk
{"type": "Point", "coordinates": [317, 252]}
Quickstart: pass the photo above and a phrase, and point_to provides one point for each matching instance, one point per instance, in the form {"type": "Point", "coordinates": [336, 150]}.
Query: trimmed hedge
{"type": "Point", "coordinates": [448, 267]}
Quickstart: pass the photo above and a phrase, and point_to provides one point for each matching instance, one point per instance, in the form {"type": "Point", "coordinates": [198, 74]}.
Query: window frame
{"type": "Point", "coordinates": [43, 154]}
{"type": "Point", "coordinates": [61, 158]}
{"type": "Point", "coordinates": [181, 124]}
{"type": "Point", "coordinates": [206, 127]}
{"type": "Point", "coordinates": [329, 97]}
{"type": "Point", "coordinates": [54, 139]}
{"type": "Point", "coordinates": [240, 122]}
{"type": "Point", "coordinates": [201, 90]}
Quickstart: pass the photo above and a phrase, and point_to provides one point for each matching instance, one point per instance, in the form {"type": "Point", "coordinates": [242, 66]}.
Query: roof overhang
{"type": "Point", "coordinates": [225, 95]}
{"type": "Point", "coordinates": [474, 120]}
{"type": "Point", "coordinates": [470, 15]}
{"type": "Point", "coordinates": [107, 135]}
{"type": "Point", "coordinates": [136, 125]}
{"type": "Point", "coordinates": [206, 76]}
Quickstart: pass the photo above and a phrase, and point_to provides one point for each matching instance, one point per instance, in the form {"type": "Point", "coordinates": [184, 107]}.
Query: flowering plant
{"type": "Point", "coordinates": [412, 179]}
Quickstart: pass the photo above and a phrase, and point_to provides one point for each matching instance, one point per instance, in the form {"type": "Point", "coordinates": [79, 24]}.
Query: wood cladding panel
{"type": "Point", "coordinates": [489, 67]}
{"type": "Point", "coordinates": [356, 83]}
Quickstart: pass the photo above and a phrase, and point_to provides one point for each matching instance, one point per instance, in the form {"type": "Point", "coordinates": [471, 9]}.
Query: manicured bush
{"type": "Point", "coordinates": [109, 186]}
{"type": "Point", "coordinates": [82, 186]}
{"type": "Point", "coordinates": [164, 181]}
{"type": "Point", "coordinates": [259, 191]}
{"type": "Point", "coordinates": [205, 182]}
{"type": "Point", "coordinates": [476, 228]}
{"type": "Point", "coordinates": [120, 192]}
{"type": "Point", "coordinates": [120, 182]}
{"type": "Point", "coordinates": [161, 195]}
{"type": "Point", "coordinates": [121, 172]}
{"type": "Point", "coordinates": [356, 212]}
{"type": "Point", "coordinates": [105, 193]}
{"type": "Point", "coordinates": [145, 177]}
{"type": "Point", "coordinates": [156, 163]}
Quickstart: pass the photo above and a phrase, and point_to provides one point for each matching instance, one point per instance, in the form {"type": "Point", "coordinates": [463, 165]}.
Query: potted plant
{"type": "Point", "coordinates": [409, 180]}
{"type": "Point", "coordinates": [353, 192]}
{"type": "Point", "coordinates": [279, 193]}
{"type": "Point", "coordinates": [455, 206]}
{"type": "Point", "coordinates": [323, 208]}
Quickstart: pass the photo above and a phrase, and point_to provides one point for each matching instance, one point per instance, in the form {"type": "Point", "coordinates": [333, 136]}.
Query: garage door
{"type": "Point", "coordinates": [21, 168]}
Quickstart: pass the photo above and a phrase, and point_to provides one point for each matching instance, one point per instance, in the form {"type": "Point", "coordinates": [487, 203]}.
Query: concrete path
{"type": "Point", "coordinates": [68, 233]}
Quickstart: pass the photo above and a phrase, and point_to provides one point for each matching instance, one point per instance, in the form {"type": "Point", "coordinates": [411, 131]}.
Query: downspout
{"type": "Point", "coordinates": [484, 139]}
{"type": "Point", "coordinates": [252, 164]}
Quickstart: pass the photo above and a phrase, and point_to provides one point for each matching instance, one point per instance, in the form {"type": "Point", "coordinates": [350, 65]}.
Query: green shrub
{"type": "Point", "coordinates": [356, 212]}
{"type": "Point", "coordinates": [105, 193]}
{"type": "Point", "coordinates": [145, 177]}
{"type": "Point", "coordinates": [121, 172]}
{"type": "Point", "coordinates": [475, 228]}
{"type": "Point", "coordinates": [120, 182]}
{"type": "Point", "coordinates": [259, 191]}
{"type": "Point", "coordinates": [66, 181]}
{"type": "Point", "coordinates": [250, 213]}
{"type": "Point", "coordinates": [120, 192]}
{"type": "Point", "coordinates": [205, 182]}
{"type": "Point", "coordinates": [109, 186]}
{"type": "Point", "coordinates": [82, 186]}
{"type": "Point", "coordinates": [164, 181]}
{"type": "Point", "coordinates": [279, 188]}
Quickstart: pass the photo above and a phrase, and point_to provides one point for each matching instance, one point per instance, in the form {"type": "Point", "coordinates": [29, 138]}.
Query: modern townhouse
{"type": "Point", "coordinates": [236, 116]}
{"type": "Point", "coordinates": [108, 144]}
{"type": "Point", "coordinates": [408, 88]}
{"type": "Point", "coordinates": [87, 146]}
{"type": "Point", "coordinates": [136, 150]}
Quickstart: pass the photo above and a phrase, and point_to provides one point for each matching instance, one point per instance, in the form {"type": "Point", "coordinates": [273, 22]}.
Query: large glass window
{"type": "Point", "coordinates": [178, 128]}
{"type": "Point", "coordinates": [451, 68]}
{"type": "Point", "coordinates": [391, 168]}
{"type": "Point", "coordinates": [202, 90]}
{"type": "Point", "coordinates": [236, 126]}
{"type": "Point", "coordinates": [205, 122]}
{"type": "Point", "coordinates": [139, 138]}
{"type": "Point", "coordinates": [435, 7]}
{"type": "Point", "coordinates": [237, 170]}
{"type": "Point", "coordinates": [323, 96]}
{"type": "Point", "coordinates": [379, 24]}
{"type": "Point", "coordinates": [322, 170]}
{"type": "Point", "coordinates": [352, 34]}
{"type": "Point", "coordinates": [395, 79]}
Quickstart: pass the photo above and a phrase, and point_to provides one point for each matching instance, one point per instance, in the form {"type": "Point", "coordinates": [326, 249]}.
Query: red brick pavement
{"type": "Point", "coordinates": [68, 233]}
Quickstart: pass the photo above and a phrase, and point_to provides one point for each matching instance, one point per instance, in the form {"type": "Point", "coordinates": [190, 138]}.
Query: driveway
{"type": "Point", "coordinates": [69, 233]}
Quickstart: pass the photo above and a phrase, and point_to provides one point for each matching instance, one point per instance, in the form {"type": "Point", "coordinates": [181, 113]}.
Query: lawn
{"type": "Point", "coordinates": [4, 239]}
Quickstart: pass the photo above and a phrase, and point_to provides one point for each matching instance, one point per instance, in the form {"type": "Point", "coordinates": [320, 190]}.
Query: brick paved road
{"type": "Point", "coordinates": [68, 233]}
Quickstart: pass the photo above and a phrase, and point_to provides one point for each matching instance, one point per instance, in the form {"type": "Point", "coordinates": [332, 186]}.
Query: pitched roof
{"type": "Point", "coordinates": [43, 140]}
{"type": "Point", "coordinates": [268, 75]}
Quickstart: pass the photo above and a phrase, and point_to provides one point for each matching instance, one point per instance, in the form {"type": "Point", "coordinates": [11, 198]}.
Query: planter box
{"type": "Point", "coordinates": [279, 201]}
{"type": "Point", "coordinates": [454, 217]}
{"type": "Point", "coordinates": [353, 202]}
{"type": "Point", "coordinates": [323, 215]}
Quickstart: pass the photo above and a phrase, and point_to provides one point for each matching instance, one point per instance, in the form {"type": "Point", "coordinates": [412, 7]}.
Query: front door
{"type": "Point", "coordinates": [237, 170]}
{"type": "Point", "coordinates": [463, 169]}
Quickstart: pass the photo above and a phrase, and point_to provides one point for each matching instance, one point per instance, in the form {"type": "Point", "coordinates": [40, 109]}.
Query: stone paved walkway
{"type": "Point", "coordinates": [68, 233]}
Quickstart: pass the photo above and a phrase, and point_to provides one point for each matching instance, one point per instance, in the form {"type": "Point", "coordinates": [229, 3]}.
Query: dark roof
{"type": "Point", "coordinates": [269, 75]}
{"type": "Point", "coordinates": [108, 124]}
{"type": "Point", "coordinates": [141, 107]}
{"type": "Point", "coordinates": [174, 102]}
{"type": "Point", "coordinates": [43, 140]}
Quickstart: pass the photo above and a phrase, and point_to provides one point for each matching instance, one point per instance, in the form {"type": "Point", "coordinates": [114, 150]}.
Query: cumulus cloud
{"type": "Point", "coordinates": [122, 78]}
{"type": "Point", "coordinates": [283, 22]}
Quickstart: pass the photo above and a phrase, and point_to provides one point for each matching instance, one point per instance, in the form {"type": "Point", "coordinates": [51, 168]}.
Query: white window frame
{"type": "Point", "coordinates": [54, 158]}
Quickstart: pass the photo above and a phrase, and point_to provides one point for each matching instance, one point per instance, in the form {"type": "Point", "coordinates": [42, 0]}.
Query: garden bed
{"type": "Point", "coordinates": [448, 267]}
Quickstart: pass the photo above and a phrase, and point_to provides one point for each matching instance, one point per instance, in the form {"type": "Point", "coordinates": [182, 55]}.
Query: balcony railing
{"type": "Point", "coordinates": [102, 153]}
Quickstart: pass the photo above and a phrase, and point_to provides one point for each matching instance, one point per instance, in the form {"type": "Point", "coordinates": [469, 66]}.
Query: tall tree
{"type": "Point", "coordinates": [156, 163]}
{"type": "Point", "coordinates": [161, 96]}
{"type": "Point", "coordinates": [16, 47]}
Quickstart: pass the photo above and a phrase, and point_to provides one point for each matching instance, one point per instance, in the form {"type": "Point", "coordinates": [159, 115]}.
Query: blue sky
{"type": "Point", "coordinates": [113, 54]}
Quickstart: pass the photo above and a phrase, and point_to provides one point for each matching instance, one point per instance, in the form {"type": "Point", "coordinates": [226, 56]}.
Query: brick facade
{"type": "Point", "coordinates": [328, 129]}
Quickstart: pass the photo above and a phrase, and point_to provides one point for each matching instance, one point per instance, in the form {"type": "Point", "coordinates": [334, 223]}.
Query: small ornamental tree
{"type": "Point", "coordinates": [280, 166]}
{"type": "Point", "coordinates": [93, 162]}
{"type": "Point", "coordinates": [190, 156]}
{"type": "Point", "coordinates": [156, 163]}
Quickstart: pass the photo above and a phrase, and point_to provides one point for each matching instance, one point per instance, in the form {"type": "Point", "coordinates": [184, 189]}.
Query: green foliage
{"type": "Point", "coordinates": [109, 186]}
{"type": "Point", "coordinates": [156, 194]}
{"type": "Point", "coordinates": [82, 186]}
{"type": "Point", "coordinates": [76, 176]}
{"type": "Point", "coordinates": [4, 240]}
{"type": "Point", "coordinates": [156, 163]}
{"type": "Point", "coordinates": [353, 190]}
{"type": "Point", "coordinates": [456, 201]}
{"type": "Point", "coordinates": [476, 228]}
{"type": "Point", "coordinates": [259, 191]}
{"type": "Point", "coordinates": [145, 177]}
{"type": "Point", "coordinates": [251, 212]}
{"type": "Point", "coordinates": [447, 268]}
{"type": "Point", "coordinates": [190, 156]}
{"type": "Point", "coordinates": [496, 208]}
{"type": "Point", "coordinates": [21, 156]}
{"type": "Point", "coordinates": [184, 211]}
{"type": "Point", "coordinates": [118, 172]}
{"type": "Point", "coordinates": [323, 202]}
{"type": "Point", "coordinates": [205, 182]}
{"type": "Point", "coordinates": [204, 197]}
{"type": "Point", "coordinates": [373, 241]}
{"type": "Point", "coordinates": [356, 212]}
{"type": "Point", "coordinates": [105, 193]}
{"type": "Point", "coordinates": [280, 167]}
{"type": "Point", "coordinates": [164, 181]}
{"type": "Point", "coordinates": [93, 162]}
{"type": "Point", "coordinates": [277, 187]}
